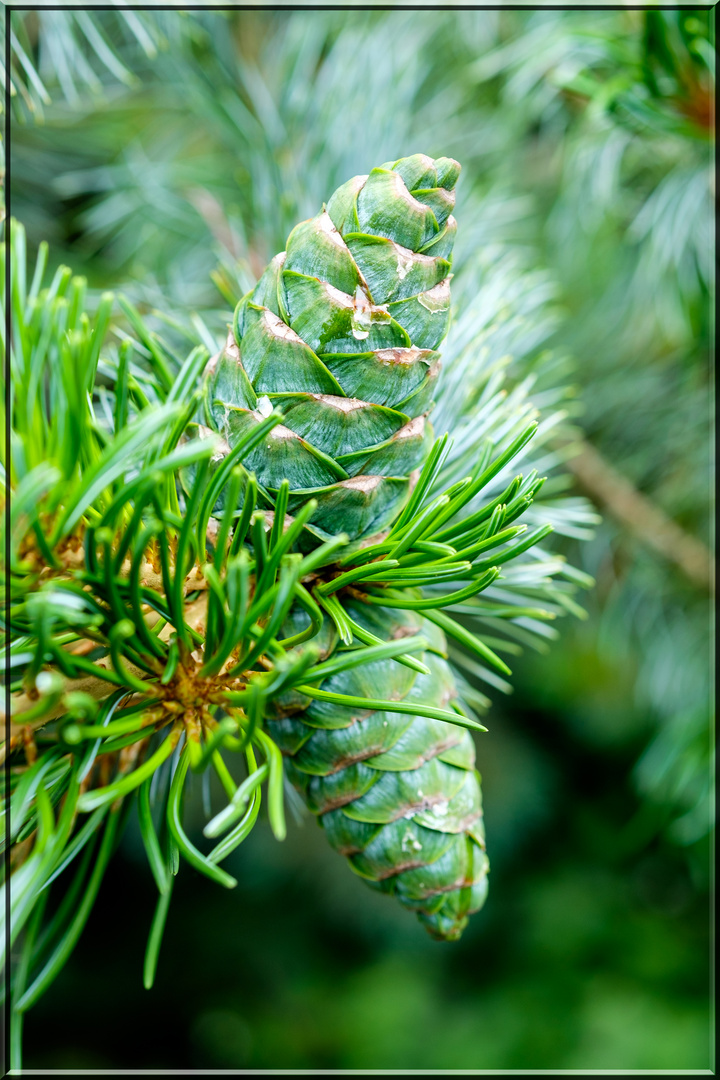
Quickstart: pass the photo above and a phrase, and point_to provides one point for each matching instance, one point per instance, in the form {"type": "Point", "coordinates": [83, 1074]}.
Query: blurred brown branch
{"type": "Point", "coordinates": [647, 521]}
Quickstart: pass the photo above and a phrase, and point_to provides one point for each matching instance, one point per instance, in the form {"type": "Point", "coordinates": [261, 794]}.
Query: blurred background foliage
{"type": "Point", "coordinates": [169, 153]}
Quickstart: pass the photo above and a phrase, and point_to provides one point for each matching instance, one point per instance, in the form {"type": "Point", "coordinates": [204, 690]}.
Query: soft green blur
{"type": "Point", "coordinates": [586, 143]}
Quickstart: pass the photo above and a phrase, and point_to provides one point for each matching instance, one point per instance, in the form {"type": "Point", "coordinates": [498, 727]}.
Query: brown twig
{"type": "Point", "coordinates": [647, 521]}
{"type": "Point", "coordinates": [98, 688]}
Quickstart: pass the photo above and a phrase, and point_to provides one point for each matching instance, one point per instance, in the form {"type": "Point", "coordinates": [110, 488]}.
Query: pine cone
{"type": "Point", "coordinates": [341, 333]}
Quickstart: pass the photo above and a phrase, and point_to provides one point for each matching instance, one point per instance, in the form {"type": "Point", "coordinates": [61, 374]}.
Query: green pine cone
{"type": "Point", "coordinates": [397, 794]}
{"type": "Point", "coordinates": [340, 333]}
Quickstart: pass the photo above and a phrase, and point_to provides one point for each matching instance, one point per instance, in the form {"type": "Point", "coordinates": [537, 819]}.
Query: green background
{"type": "Point", "coordinates": [190, 140]}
